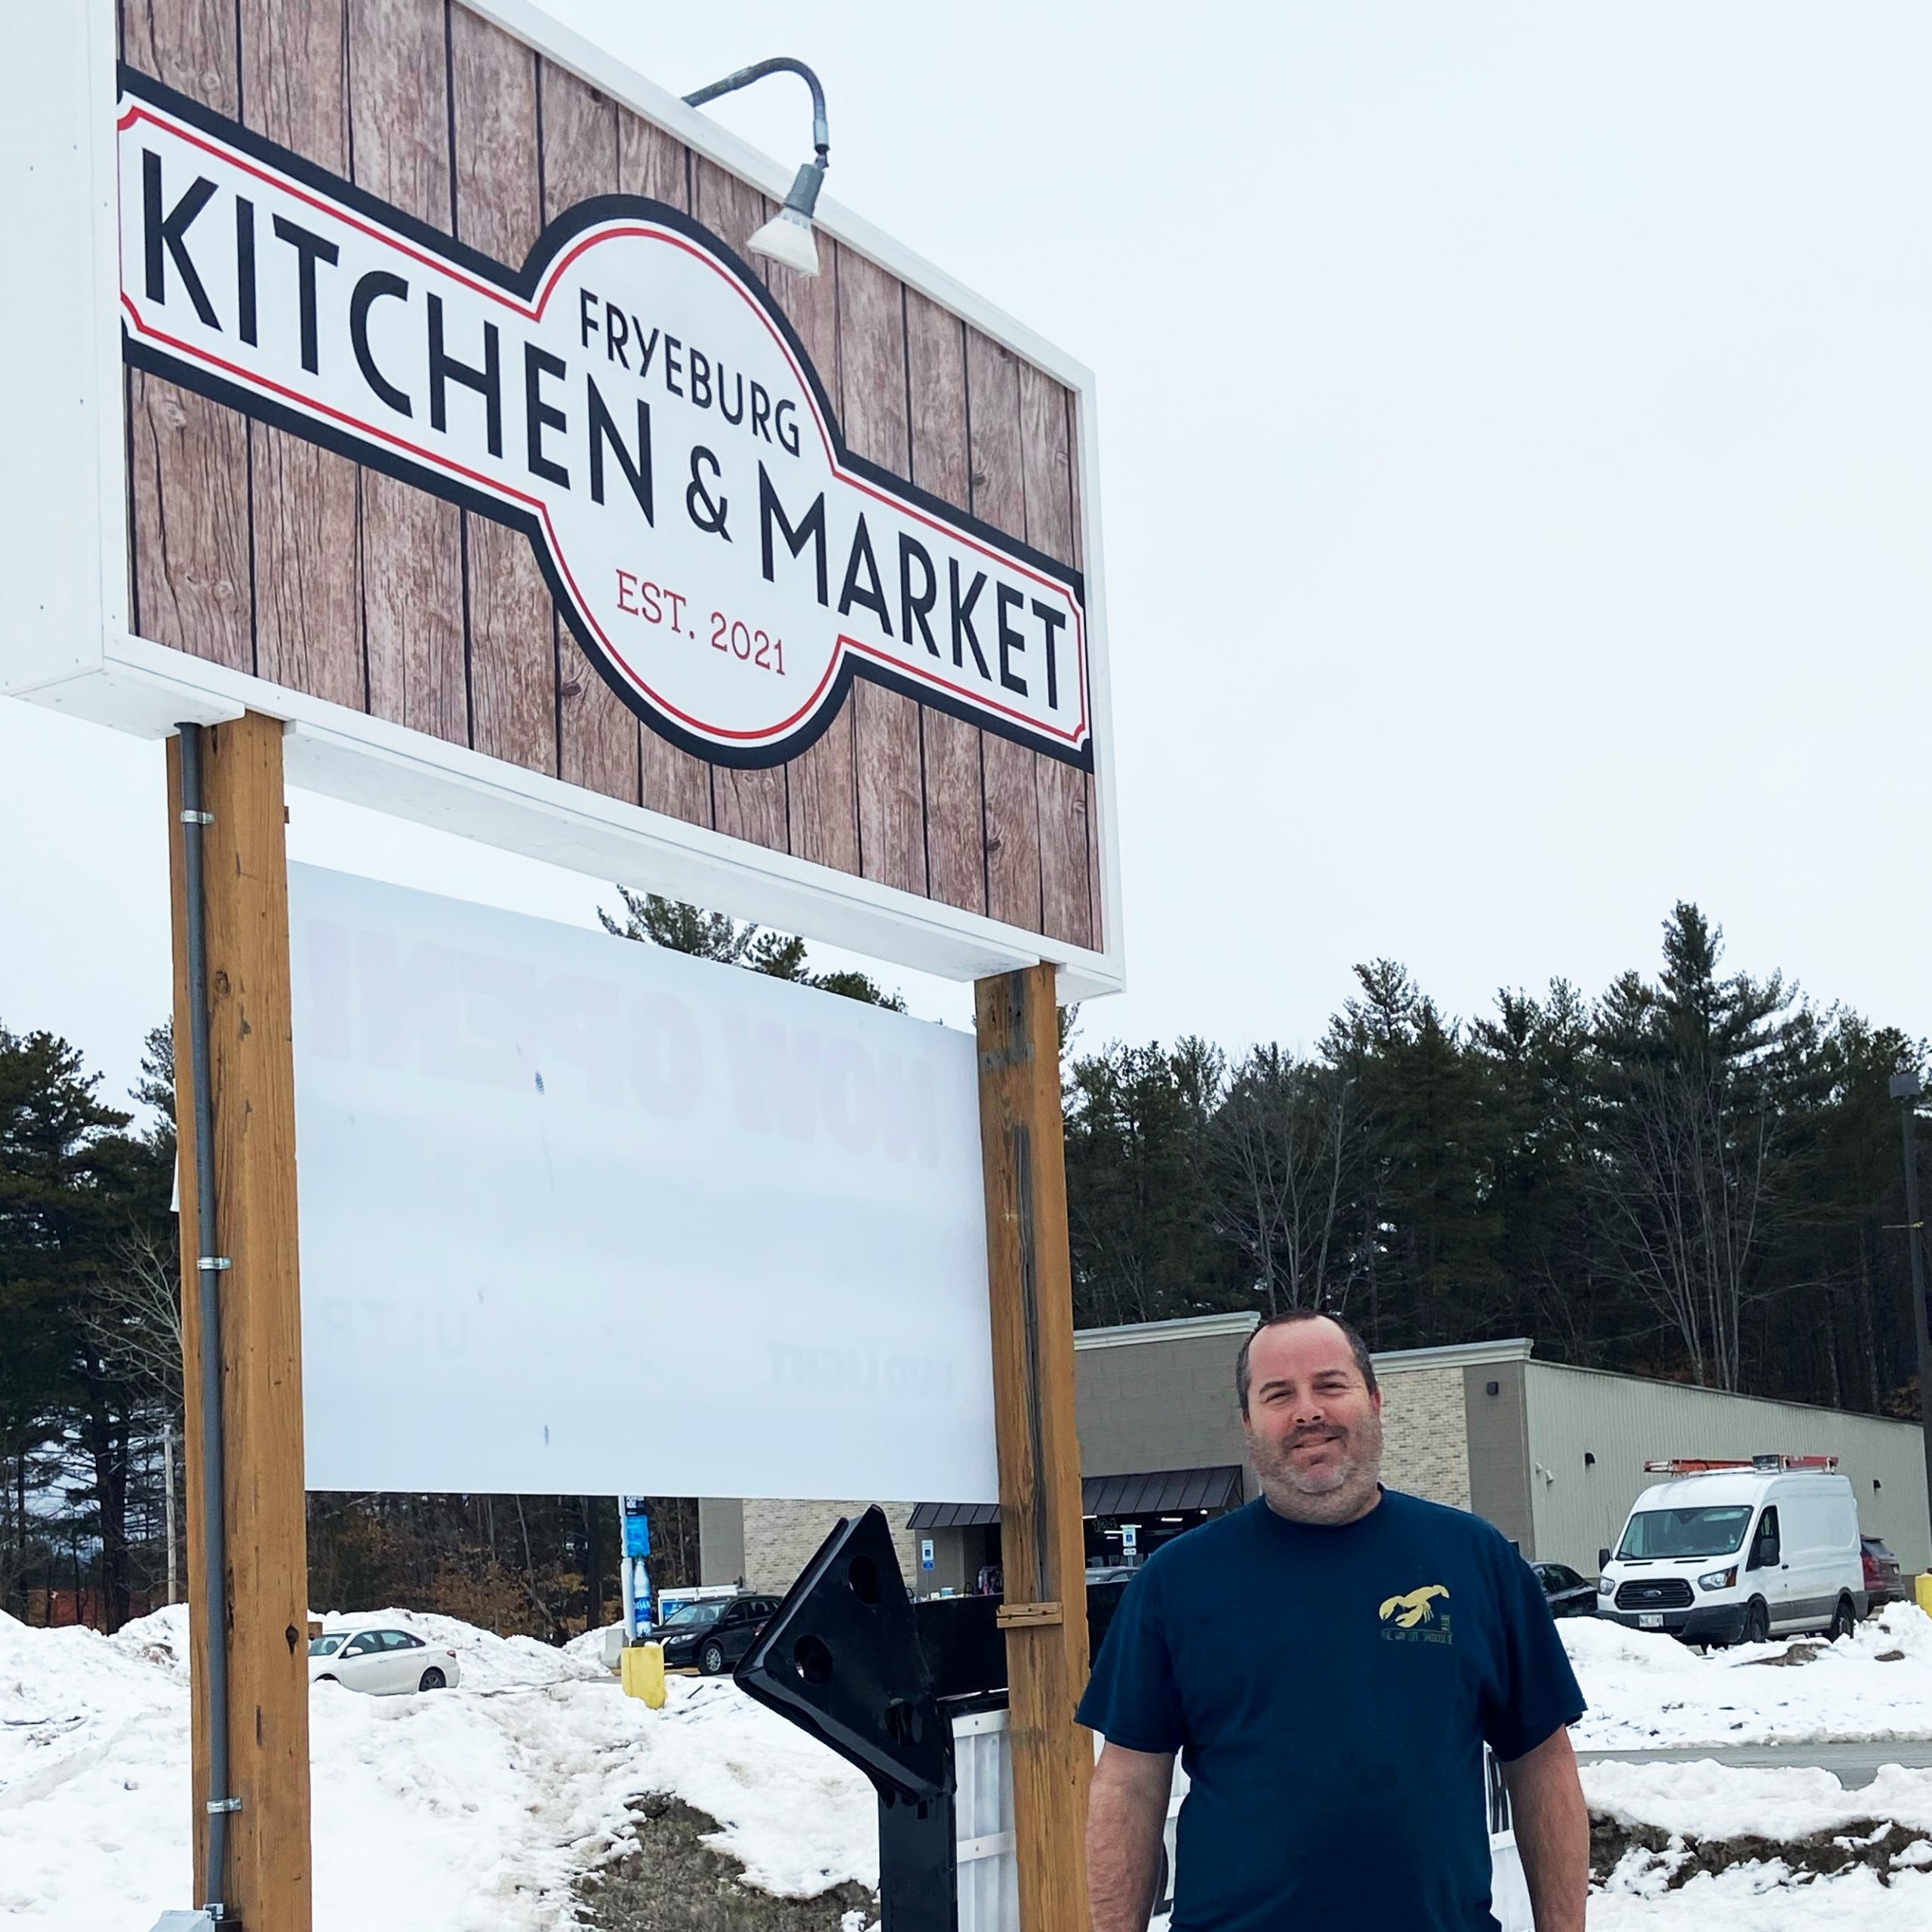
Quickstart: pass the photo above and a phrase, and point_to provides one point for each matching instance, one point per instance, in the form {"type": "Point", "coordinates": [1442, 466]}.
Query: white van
{"type": "Point", "coordinates": [1736, 1552]}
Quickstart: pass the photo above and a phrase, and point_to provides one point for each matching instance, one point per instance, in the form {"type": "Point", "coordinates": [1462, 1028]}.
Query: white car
{"type": "Point", "coordinates": [384, 1660]}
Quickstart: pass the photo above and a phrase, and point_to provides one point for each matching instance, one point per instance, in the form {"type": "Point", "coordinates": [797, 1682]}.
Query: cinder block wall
{"type": "Point", "coordinates": [781, 1538]}
{"type": "Point", "coordinates": [1425, 1435]}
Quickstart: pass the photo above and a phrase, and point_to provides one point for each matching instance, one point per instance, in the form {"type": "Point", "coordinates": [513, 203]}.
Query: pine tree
{"type": "Point", "coordinates": [679, 928]}
{"type": "Point", "coordinates": [74, 1184]}
{"type": "Point", "coordinates": [1694, 1143]}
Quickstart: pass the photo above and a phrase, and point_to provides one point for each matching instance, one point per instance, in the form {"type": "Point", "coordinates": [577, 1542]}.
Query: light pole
{"type": "Point", "coordinates": [1906, 1089]}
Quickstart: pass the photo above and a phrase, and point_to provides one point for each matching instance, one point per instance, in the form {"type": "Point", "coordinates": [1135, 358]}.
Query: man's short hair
{"type": "Point", "coordinates": [1357, 1346]}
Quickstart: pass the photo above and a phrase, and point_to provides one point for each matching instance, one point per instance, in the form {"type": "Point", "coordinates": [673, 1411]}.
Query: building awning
{"type": "Point", "coordinates": [953, 1515]}
{"type": "Point", "coordinates": [1158, 1493]}
{"type": "Point", "coordinates": [1161, 1493]}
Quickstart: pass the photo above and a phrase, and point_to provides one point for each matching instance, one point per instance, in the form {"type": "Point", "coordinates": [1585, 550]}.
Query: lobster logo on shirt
{"type": "Point", "coordinates": [1414, 1608]}
{"type": "Point", "coordinates": [1414, 1615]}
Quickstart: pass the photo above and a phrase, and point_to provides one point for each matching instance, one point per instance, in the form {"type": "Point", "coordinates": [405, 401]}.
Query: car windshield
{"type": "Point", "coordinates": [1715, 1530]}
{"type": "Point", "coordinates": [692, 1616]}
{"type": "Point", "coordinates": [327, 1646]}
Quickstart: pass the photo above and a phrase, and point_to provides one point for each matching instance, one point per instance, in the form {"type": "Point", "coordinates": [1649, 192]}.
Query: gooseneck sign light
{"type": "Point", "coordinates": [787, 237]}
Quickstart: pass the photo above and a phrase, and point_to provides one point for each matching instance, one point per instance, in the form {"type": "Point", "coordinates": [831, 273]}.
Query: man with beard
{"type": "Point", "coordinates": [1330, 1661]}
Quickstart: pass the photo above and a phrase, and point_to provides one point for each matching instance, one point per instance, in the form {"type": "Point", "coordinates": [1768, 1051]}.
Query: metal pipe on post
{"type": "Point", "coordinates": [1906, 1089]}
{"type": "Point", "coordinates": [211, 1264]}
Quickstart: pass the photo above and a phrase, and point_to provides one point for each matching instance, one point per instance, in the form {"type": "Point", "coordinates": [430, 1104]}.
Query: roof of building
{"type": "Point", "coordinates": [1453, 1355]}
{"type": "Point", "coordinates": [1156, 1493]}
{"type": "Point", "coordinates": [1239, 1323]}
{"type": "Point", "coordinates": [1242, 1322]}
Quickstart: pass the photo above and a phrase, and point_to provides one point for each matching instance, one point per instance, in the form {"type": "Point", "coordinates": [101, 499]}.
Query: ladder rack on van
{"type": "Point", "coordinates": [1693, 1465]}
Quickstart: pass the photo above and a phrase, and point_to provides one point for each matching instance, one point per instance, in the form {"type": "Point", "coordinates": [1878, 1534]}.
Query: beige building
{"type": "Point", "coordinates": [1552, 1456]}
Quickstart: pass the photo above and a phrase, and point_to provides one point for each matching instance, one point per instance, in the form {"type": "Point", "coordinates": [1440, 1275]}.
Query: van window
{"type": "Point", "coordinates": [1715, 1530]}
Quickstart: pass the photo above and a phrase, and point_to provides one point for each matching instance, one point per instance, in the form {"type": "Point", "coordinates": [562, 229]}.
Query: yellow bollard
{"type": "Point", "coordinates": [1922, 1589]}
{"type": "Point", "coordinates": [643, 1667]}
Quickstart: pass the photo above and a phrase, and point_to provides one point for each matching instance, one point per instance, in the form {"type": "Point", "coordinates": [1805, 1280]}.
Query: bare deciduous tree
{"type": "Point", "coordinates": [1280, 1151]}
{"type": "Point", "coordinates": [133, 1315]}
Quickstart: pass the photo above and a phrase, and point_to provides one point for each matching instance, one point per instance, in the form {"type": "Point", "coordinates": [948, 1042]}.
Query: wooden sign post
{"type": "Point", "coordinates": [251, 1081]}
{"type": "Point", "coordinates": [1042, 1549]}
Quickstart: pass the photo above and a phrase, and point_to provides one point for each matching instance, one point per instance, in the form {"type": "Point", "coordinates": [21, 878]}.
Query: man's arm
{"type": "Point", "coordinates": [1553, 1826]}
{"type": "Point", "coordinates": [1126, 1811]}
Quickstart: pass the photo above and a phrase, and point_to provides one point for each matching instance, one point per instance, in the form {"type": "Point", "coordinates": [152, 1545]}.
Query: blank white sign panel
{"type": "Point", "coordinates": [580, 1216]}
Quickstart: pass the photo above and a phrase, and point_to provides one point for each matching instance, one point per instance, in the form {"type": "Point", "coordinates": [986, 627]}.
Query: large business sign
{"type": "Point", "coordinates": [628, 396]}
{"type": "Point", "coordinates": [574, 1209]}
{"type": "Point", "coordinates": [399, 372]}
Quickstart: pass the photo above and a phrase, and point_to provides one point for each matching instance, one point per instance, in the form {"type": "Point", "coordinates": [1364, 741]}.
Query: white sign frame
{"type": "Point", "coordinates": [66, 640]}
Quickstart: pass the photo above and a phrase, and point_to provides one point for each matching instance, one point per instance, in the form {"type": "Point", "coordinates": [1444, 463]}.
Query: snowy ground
{"type": "Point", "coordinates": [1647, 1690]}
{"type": "Point", "coordinates": [465, 1810]}
{"type": "Point", "coordinates": [1766, 1898]}
{"type": "Point", "coordinates": [474, 1810]}
{"type": "Point", "coordinates": [1708, 1801]}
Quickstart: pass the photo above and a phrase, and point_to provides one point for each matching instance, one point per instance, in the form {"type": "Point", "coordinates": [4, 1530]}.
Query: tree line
{"type": "Point", "coordinates": [1694, 1175]}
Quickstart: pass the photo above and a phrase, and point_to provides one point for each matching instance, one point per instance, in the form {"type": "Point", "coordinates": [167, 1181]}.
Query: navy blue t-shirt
{"type": "Point", "coordinates": [1330, 1690]}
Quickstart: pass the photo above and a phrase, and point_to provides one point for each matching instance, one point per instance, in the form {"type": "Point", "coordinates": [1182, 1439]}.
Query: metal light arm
{"type": "Point", "coordinates": [212, 1265]}
{"type": "Point", "coordinates": [781, 63]}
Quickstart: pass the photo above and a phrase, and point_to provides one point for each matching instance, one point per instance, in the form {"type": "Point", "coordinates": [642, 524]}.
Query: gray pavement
{"type": "Point", "coordinates": [1853, 1765]}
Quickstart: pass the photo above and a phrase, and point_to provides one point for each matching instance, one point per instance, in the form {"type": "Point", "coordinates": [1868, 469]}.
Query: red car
{"type": "Point", "coordinates": [1883, 1583]}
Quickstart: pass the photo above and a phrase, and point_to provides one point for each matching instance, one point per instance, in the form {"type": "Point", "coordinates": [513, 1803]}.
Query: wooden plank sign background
{"type": "Point", "coordinates": [253, 548]}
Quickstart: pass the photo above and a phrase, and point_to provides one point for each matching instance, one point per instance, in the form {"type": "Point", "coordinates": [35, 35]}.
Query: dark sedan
{"type": "Point", "coordinates": [714, 1635]}
{"type": "Point", "coordinates": [1567, 1594]}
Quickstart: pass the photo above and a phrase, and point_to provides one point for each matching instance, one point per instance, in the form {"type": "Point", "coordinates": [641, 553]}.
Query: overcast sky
{"type": "Point", "coordinates": [1516, 432]}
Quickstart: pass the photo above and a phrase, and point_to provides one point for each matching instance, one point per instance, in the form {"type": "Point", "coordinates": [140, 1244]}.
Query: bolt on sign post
{"type": "Point", "coordinates": [407, 417]}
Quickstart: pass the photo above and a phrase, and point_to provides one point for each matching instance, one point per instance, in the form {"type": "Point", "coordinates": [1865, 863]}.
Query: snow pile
{"type": "Point", "coordinates": [489, 1663]}
{"type": "Point", "coordinates": [474, 1810]}
{"type": "Point", "coordinates": [161, 1639]}
{"type": "Point", "coordinates": [1706, 1800]}
{"type": "Point", "coordinates": [1647, 1690]}
{"type": "Point", "coordinates": [797, 1816]}
{"type": "Point", "coordinates": [1805, 1813]}
{"type": "Point", "coordinates": [1766, 1898]}
{"type": "Point", "coordinates": [93, 1804]}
